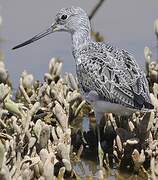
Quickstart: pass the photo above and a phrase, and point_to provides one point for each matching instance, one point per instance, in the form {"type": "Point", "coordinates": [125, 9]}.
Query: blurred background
{"type": "Point", "coordinates": [127, 24]}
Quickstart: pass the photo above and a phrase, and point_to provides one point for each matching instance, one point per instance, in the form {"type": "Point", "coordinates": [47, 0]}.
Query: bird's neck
{"type": "Point", "coordinates": [80, 38]}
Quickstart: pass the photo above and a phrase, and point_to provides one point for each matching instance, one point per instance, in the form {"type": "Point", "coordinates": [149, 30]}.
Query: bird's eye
{"type": "Point", "coordinates": [64, 16]}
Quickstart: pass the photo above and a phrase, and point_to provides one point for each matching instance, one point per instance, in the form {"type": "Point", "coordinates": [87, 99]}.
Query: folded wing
{"type": "Point", "coordinates": [114, 75]}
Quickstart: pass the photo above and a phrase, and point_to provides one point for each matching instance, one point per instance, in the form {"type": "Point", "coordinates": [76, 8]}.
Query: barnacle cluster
{"type": "Point", "coordinates": [39, 140]}
{"type": "Point", "coordinates": [35, 134]}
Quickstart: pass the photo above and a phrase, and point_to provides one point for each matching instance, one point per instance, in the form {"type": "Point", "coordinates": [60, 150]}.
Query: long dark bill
{"type": "Point", "coordinates": [35, 38]}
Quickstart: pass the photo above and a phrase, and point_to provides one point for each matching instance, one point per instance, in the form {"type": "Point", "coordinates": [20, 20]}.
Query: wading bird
{"type": "Point", "coordinates": [109, 78]}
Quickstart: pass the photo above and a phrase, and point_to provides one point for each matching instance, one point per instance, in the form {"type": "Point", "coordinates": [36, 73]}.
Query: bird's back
{"type": "Point", "coordinates": [113, 74]}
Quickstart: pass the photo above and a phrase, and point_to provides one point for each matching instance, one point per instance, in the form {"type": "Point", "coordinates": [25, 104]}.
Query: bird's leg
{"type": "Point", "coordinates": [92, 97]}
{"type": "Point", "coordinates": [100, 151]}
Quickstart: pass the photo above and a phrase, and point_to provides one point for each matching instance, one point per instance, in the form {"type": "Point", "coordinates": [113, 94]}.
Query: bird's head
{"type": "Point", "coordinates": [71, 20]}
{"type": "Point", "coordinates": [67, 19]}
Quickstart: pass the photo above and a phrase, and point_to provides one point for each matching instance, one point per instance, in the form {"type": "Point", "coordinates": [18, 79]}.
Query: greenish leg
{"type": "Point", "coordinates": [100, 151]}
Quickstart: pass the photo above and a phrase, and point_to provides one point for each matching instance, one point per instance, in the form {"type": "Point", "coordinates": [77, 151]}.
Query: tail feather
{"type": "Point", "coordinates": [141, 103]}
{"type": "Point", "coordinates": [148, 105]}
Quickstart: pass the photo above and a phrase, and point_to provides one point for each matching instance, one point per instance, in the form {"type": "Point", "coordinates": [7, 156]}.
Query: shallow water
{"type": "Point", "coordinates": [87, 169]}
{"type": "Point", "coordinates": [87, 166]}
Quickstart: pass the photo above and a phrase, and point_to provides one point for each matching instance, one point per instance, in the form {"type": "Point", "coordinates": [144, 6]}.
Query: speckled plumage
{"type": "Point", "coordinates": [105, 73]}
{"type": "Point", "coordinates": [113, 74]}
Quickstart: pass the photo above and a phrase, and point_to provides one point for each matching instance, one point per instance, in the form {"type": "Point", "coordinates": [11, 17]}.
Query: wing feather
{"type": "Point", "coordinates": [114, 75]}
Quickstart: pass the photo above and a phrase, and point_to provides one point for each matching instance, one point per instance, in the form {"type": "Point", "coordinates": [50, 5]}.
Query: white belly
{"type": "Point", "coordinates": [101, 106]}
{"type": "Point", "coordinates": [107, 107]}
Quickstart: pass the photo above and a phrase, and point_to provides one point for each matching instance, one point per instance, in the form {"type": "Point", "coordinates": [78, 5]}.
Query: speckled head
{"type": "Point", "coordinates": [71, 20]}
